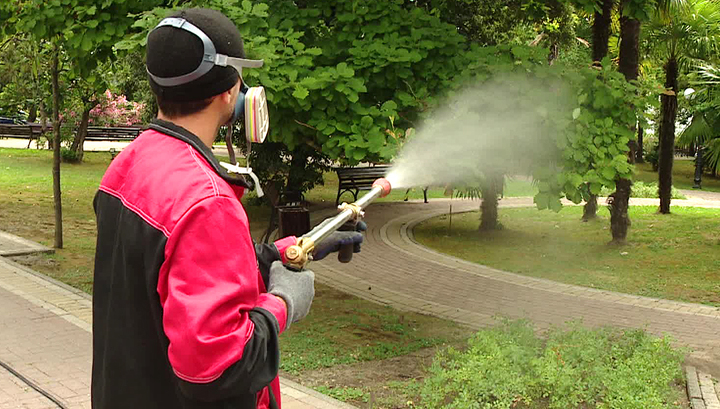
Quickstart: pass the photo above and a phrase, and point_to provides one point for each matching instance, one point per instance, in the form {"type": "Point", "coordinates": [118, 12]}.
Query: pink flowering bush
{"type": "Point", "coordinates": [116, 110]}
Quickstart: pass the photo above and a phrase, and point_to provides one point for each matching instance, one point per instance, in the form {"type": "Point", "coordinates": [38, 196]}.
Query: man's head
{"type": "Point", "coordinates": [182, 83]}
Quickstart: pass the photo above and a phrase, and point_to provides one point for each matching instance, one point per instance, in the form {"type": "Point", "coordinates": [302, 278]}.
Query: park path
{"type": "Point", "coordinates": [46, 324]}
{"type": "Point", "coordinates": [46, 341]}
{"type": "Point", "coordinates": [394, 270]}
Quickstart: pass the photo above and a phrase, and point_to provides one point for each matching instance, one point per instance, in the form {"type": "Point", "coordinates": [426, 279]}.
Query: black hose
{"type": "Point", "coordinates": [33, 385]}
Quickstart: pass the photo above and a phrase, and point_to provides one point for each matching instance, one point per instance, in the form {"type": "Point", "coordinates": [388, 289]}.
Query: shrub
{"type": "Point", "coordinates": [68, 155]}
{"type": "Point", "coordinates": [646, 190]}
{"type": "Point", "coordinates": [652, 155]}
{"type": "Point", "coordinates": [508, 366]}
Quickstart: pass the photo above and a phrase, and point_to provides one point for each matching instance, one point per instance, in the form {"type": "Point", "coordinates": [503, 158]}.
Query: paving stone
{"type": "Point", "coordinates": [393, 265]}
{"type": "Point", "coordinates": [45, 339]}
{"type": "Point", "coordinates": [697, 403]}
{"type": "Point", "coordinates": [693, 386]}
{"type": "Point", "coordinates": [707, 387]}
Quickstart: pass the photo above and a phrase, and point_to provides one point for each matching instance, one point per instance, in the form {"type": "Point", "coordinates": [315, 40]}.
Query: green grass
{"type": "Point", "coordinates": [667, 256]}
{"type": "Point", "coordinates": [26, 198]}
{"type": "Point", "coordinates": [683, 176]}
{"type": "Point", "coordinates": [514, 187]}
{"type": "Point", "coordinates": [341, 329]}
{"type": "Point", "coordinates": [346, 394]}
{"type": "Point", "coordinates": [348, 330]}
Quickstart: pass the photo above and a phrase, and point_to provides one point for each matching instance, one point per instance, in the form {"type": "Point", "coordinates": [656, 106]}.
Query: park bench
{"type": "Point", "coordinates": [359, 178]}
{"type": "Point", "coordinates": [112, 133]}
{"type": "Point", "coordinates": [19, 131]}
{"type": "Point", "coordinates": [24, 131]}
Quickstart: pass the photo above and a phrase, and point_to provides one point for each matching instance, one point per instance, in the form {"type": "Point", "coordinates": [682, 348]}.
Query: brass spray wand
{"type": "Point", "coordinates": [301, 253]}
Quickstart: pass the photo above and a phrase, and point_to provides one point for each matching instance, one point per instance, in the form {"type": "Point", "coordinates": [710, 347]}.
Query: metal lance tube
{"type": "Point", "coordinates": [298, 255]}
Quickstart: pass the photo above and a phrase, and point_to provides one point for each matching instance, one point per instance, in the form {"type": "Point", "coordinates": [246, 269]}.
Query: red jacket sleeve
{"type": "Point", "coordinates": [214, 315]}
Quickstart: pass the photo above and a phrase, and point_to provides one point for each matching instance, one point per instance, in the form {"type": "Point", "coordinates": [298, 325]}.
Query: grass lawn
{"type": "Point", "coordinates": [344, 337]}
{"type": "Point", "coordinates": [683, 176]}
{"type": "Point", "coordinates": [668, 256]}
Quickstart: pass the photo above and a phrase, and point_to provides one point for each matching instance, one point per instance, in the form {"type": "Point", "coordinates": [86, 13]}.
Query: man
{"type": "Point", "coordinates": [186, 309]}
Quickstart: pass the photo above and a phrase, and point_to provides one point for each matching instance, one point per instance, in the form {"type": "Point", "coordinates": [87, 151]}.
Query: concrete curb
{"type": "Point", "coordinates": [12, 245]}
{"type": "Point", "coordinates": [701, 390]}
{"type": "Point", "coordinates": [295, 390]}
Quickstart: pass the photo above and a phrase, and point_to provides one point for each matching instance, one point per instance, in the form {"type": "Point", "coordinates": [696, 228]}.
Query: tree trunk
{"type": "Point", "coordinates": [50, 139]}
{"type": "Point", "coordinates": [56, 150]}
{"type": "Point", "coordinates": [490, 190]}
{"type": "Point", "coordinates": [629, 47]}
{"type": "Point", "coordinates": [79, 141]}
{"type": "Point", "coordinates": [629, 67]}
{"type": "Point", "coordinates": [668, 102]}
{"type": "Point", "coordinates": [601, 36]}
{"type": "Point", "coordinates": [639, 154]}
{"type": "Point", "coordinates": [590, 209]}
{"type": "Point", "coordinates": [43, 124]}
{"type": "Point", "coordinates": [32, 115]}
{"type": "Point", "coordinates": [601, 30]}
{"type": "Point", "coordinates": [619, 220]}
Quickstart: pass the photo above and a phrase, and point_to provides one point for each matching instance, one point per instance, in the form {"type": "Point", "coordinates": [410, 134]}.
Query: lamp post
{"type": "Point", "coordinates": [698, 167]}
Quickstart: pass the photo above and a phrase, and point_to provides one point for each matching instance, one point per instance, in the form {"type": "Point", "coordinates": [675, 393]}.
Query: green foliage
{"type": "Point", "coordinates": [85, 29]}
{"type": "Point", "coordinates": [652, 155]}
{"type": "Point", "coordinates": [645, 190]}
{"type": "Point", "coordinates": [326, 339]}
{"type": "Point", "coordinates": [704, 104]}
{"type": "Point", "coordinates": [493, 373]}
{"type": "Point", "coordinates": [345, 80]}
{"type": "Point", "coordinates": [485, 22]}
{"type": "Point", "coordinates": [594, 144]}
{"type": "Point", "coordinates": [24, 80]}
{"type": "Point", "coordinates": [68, 155]}
{"type": "Point", "coordinates": [641, 10]}
{"type": "Point", "coordinates": [508, 365]}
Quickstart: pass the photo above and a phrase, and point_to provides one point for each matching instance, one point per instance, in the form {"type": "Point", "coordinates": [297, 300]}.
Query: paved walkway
{"type": "Point", "coordinates": [46, 325]}
{"type": "Point", "coordinates": [46, 340]}
{"type": "Point", "coordinates": [394, 270]}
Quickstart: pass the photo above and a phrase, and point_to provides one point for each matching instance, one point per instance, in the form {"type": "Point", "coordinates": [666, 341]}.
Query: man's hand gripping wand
{"type": "Point", "coordinates": [300, 254]}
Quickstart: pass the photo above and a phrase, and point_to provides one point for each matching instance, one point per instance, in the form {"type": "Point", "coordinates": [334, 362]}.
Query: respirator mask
{"type": "Point", "coordinates": [251, 104]}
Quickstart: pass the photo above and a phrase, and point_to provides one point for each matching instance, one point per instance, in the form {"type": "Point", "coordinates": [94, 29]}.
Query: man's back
{"type": "Point", "coordinates": [141, 205]}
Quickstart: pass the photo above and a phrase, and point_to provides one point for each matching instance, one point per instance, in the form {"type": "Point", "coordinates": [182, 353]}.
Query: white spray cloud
{"type": "Point", "coordinates": [506, 125]}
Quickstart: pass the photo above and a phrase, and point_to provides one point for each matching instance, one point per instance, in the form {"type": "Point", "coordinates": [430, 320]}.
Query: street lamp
{"type": "Point", "coordinates": [698, 167]}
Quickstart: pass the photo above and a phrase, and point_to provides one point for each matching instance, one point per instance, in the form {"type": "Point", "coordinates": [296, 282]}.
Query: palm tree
{"type": "Point", "coordinates": [629, 66]}
{"type": "Point", "coordinates": [602, 23]}
{"type": "Point", "coordinates": [683, 33]}
{"type": "Point", "coordinates": [705, 122]}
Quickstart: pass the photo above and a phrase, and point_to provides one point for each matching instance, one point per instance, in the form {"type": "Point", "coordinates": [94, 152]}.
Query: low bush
{"type": "Point", "coordinates": [645, 190]}
{"type": "Point", "coordinates": [68, 155]}
{"type": "Point", "coordinates": [508, 366]}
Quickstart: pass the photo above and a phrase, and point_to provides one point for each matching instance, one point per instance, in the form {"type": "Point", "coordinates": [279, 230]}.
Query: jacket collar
{"type": "Point", "coordinates": [171, 129]}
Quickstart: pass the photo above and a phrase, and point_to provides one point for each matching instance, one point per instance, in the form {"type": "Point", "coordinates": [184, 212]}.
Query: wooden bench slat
{"type": "Point", "coordinates": [355, 179]}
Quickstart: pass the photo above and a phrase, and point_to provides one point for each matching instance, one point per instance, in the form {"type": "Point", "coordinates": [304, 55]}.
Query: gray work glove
{"type": "Point", "coordinates": [297, 288]}
{"type": "Point", "coordinates": [340, 238]}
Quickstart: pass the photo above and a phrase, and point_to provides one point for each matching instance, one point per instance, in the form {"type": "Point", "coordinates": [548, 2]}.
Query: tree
{"type": "Point", "coordinates": [338, 73]}
{"type": "Point", "coordinates": [633, 11]}
{"type": "Point", "coordinates": [84, 32]}
{"type": "Point", "coordinates": [602, 24]}
{"type": "Point", "coordinates": [593, 146]}
{"type": "Point", "coordinates": [705, 106]}
{"type": "Point", "coordinates": [483, 22]}
{"type": "Point", "coordinates": [601, 30]}
{"type": "Point", "coordinates": [682, 33]}
{"type": "Point", "coordinates": [24, 80]}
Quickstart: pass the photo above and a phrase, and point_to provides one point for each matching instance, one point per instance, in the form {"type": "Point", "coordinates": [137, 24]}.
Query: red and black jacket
{"type": "Point", "coordinates": [181, 317]}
